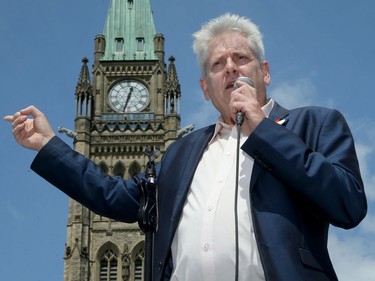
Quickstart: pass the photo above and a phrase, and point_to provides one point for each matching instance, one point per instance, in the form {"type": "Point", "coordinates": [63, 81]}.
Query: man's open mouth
{"type": "Point", "coordinates": [230, 85]}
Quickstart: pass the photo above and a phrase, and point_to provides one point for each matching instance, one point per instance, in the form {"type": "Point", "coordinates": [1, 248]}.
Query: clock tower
{"type": "Point", "coordinates": [131, 102]}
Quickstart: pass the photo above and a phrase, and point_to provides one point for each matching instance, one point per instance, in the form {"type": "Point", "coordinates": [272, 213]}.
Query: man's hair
{"type": "Point", "coordinates": [222, 24]}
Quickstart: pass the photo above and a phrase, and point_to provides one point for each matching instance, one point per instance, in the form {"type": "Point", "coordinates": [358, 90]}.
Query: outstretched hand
{"type": "Point", "coordinates": [32, 133]}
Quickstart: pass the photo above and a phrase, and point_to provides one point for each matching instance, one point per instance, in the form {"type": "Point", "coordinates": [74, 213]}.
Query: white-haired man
{"type": "Point", "coordinates": [298, 174]}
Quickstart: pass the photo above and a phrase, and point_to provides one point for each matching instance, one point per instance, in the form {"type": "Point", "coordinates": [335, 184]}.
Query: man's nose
{"type": "Point", "coordinates": [231, 66]}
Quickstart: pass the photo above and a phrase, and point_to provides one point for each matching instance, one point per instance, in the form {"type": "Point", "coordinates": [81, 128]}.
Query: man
{"type": "Point", "coordinates": [298, 173]}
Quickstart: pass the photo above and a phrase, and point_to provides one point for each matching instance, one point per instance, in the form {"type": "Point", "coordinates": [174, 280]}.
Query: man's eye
{"type": "Point", "coordinates": [217, 66]}
{"type": "Point", "coordinates": [242, 58]}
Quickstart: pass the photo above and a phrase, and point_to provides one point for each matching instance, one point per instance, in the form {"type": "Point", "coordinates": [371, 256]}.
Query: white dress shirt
{"type": "Point", "coordinates": [203, 247]}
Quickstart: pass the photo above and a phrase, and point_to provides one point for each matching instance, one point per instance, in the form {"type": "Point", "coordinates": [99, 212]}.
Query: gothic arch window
{"type": "Point", "coordinates": [108, 266]}
{"type": "Point", "coordinates": [108, 263]}
{"type": "Point", "coordinates": [134, 169]}
{"type": "Point", "coordinates": [119, 169]}
{"type": "Point", "coordinates": [138, 270]}
{"type": "Point", "coordinates": [138, 256]}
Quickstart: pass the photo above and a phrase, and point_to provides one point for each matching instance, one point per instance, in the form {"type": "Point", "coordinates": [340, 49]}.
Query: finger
{"type": "Point", "coordinates": [13, 117]}
{"type": "Point", "coordinates": [8, 118]}
{"type": "Point", "coordinates": [31, 110]}
{"type": "Point", "coordinates": [20, 119]}
{"type": "Point", "coordinates": [239, 84]}
{"type": "Point", "coordinates": [234, 108]}
{"type": "Point", "coordinates": [19, 128]}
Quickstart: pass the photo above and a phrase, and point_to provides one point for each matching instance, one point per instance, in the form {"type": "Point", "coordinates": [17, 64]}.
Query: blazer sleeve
{"type": "Point", "coordinates": [83, 181]}
{"type": "Point", "coordinates": [314, 157]}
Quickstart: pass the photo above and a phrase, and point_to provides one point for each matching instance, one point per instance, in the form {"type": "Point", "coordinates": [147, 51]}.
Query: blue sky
{"type": "Point", "coordinates": [320, 53]}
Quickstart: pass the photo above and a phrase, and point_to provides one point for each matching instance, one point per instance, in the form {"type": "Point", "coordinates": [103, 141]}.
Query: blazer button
{"type": "Point", "coordinates": [160, 266]}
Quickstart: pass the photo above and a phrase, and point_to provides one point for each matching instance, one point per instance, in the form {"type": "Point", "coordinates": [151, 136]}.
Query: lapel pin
{"type": "Point", "coordinates": [280, 121]}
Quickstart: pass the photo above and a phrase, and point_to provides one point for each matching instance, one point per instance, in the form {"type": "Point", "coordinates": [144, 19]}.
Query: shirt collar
{"type": "Point", "coordinates": [220, 125]}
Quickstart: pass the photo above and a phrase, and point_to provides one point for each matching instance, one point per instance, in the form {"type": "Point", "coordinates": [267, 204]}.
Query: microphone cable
{"type": "Point", "coordinates": [239, 120]}
{"type": "Point", "coordinates": [236, 202]}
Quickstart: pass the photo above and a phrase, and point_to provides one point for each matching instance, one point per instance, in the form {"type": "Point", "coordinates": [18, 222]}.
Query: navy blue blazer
{"type": "Point", "coordinates": [305, 177]}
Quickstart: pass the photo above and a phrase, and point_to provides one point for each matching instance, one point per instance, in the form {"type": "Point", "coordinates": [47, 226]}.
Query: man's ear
{"type": "Point", "coordinates": [266, 73]}
{"type": "Point", "coordinates": [204, 87]}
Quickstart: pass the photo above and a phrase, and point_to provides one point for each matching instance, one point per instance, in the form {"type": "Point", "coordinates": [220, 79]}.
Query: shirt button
{"type": "Point", "coordinates": [210, 208]}
{"type": "Point", "coordinates": [206, 247]}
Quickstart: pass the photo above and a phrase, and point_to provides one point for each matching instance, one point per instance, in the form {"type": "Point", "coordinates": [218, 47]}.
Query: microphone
{"type": "Point", "coordinates": [240, 116]}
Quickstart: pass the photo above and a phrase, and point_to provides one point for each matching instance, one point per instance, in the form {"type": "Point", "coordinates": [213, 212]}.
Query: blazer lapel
{"type": "Point", "coordinates": [196, 150]}
{"type": "Point", "coordinates": [279, 114]}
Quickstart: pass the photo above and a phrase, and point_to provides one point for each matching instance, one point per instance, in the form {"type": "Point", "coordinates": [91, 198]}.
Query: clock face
{"type": "Point", "coordinates": [128, 96]}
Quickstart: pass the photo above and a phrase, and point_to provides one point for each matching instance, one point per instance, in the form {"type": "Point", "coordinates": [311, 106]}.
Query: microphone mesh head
{"type": "Point", "coordinates": [246, 80]}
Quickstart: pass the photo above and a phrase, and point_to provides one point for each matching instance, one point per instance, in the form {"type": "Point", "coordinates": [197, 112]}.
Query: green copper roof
{"type": "Point", "coordinates": [129, 31]}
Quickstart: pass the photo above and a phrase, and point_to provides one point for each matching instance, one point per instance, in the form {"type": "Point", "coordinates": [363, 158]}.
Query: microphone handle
{"type": "Point", "coordinates": [240, 116]}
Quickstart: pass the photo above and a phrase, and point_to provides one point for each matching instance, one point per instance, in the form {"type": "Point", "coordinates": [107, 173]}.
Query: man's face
{"type": "Point", "coordinates": [229, 57]}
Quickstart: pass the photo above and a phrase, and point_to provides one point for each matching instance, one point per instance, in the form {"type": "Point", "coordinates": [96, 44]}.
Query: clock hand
{"type": "Point", "coordinates": [128, 98]}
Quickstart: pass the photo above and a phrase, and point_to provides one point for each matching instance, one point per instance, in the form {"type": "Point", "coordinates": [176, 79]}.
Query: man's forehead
{"type": "Point", "coordinates": [229, 41]}
{"type": "Point", "coordinates": [226, 46]}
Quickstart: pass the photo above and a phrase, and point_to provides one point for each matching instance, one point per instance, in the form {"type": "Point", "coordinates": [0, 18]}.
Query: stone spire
{"type": "Point", "coordinates": [172, 89]}
{"type": "Point", "coordinates": [83, 91]}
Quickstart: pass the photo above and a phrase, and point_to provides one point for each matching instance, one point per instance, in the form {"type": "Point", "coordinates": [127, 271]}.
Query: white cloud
{"type": "Point", "coordinates": [364, 134]}
{"type": "Point", "coordinates": [365, 155]}
{"type": "Point", "coordinates": [353, 252]}
{"type": "Point", "coordinates": [352, 256]}
{"type": "Point", "coordinates": [368, 227]}
{"type": "Point", "coordinates": [294, 94]}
